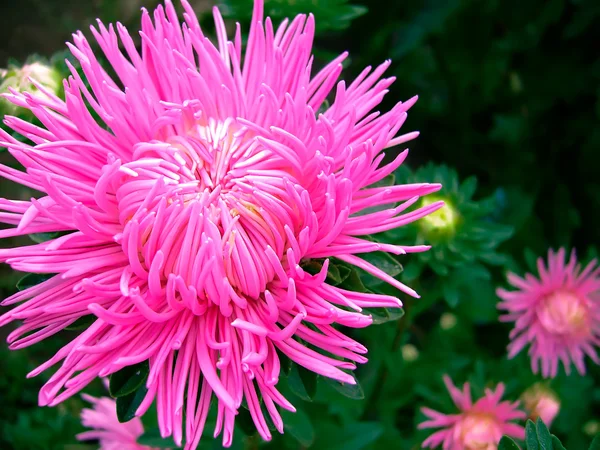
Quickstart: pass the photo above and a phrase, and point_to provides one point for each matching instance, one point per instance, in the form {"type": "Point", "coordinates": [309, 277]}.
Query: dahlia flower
{"type": "Point", "coordinates": [111, 434]}
{"type": "Point", "coordinates": [189, 187]}
{"type": "Point", "coordinates": [478, 426]}
{"type": "Point", "coordinates": [541, 402]}
{"type": "Point", "coordinates": [557, 314]}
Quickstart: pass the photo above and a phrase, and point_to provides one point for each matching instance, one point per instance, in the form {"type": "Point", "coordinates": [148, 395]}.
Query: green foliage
{"type": "Point", "coordinates": [128, 404]}
{"type": "Point", "coordinates": [152, 438]}
{"type": "Point", "coordinates": [33, 279]}
{"type": "Point", "coordinates": [128, 379]}
{"type": "Point", "coordinates": [330, 14]}
{"type": "Point", "coordinates": [537, 437]}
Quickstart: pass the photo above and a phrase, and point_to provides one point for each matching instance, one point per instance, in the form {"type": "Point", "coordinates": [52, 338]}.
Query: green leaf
{"type": "Point", "coordinates": [302, 382]}
{"type": "Point", "coordinates": [383, 315]}
{"type": "Point", "coordinates": [353, 391]}
{"type": "Point", "coordinates": [557, 445]}
{"type": "Point", "coordinates": [128, 405]}
{"type": "Point", "coordinates": [285, 363]}
{"type": "Point", "coordinates": [531, 440]}
{"type": "Point", "coordinates": [244, 421]}
{"type": "Point", "coordinates": [152, 438]}
{"type": "Point", "coordinates": [128, 379]}
{"type": "Point", "coordinates": [357, 436]}
{"type": "Point", "coordinates": [544, 437]}
{"type": "Point", "coordinates": [451, 293]}
{"type": "Point", "coordinates": [468, 188]}
{"type": "Point", "coordinates": [33, 279]}
{"type": "Point", "coordinates": [595, 445]}
{"type": "Point", "coordinates": [507, 443]}
{"type": "Point", "coordinates": [336, 273]}
{"type": "Point", "coordinates": [384, 261]}
{"type": "Point", "coordinates": [309, 379]}
{"type": "Point", "coordinates": [312, 266]}
{"type": "Point", "coordinates": [82, 323]}
{"type": "Point", "coordinates": [43, 237]}
{"type": "Point", "coordinates": [353, 282]}
{"type": "Point", "coordinates": [298, 425]}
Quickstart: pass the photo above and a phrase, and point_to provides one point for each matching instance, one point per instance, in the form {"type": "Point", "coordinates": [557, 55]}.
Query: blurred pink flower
{"type": "Point", "coordinates": [192, 186]}
{"type": "Point", "coordinates": [540, 401]}
{"type": "Point", "coordinates": [558, 314]}
{"type": "Point", "coordinates": [112, 434]}
{"type": "Point", "coordinates": [478, 426]}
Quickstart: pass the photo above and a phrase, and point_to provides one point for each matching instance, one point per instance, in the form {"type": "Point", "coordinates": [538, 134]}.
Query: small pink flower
{"type": "Point", "coordinates": [558, 314]}
{"type": "Point", "coordinates": [478, 426]}
{"type": "Point", "coordinates": [539, 401]}
{"type": "Point", "coordinates": [191, 182]}
{"type": "Point", "coordinates": [106, 428]}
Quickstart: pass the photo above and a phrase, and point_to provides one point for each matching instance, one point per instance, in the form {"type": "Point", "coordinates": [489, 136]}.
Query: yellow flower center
{"type": "Point", "coordinates": [442, 221]}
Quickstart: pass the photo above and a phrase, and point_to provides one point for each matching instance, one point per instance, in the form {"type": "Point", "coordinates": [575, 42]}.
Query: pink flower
{"type": "Point", "coordinates": [478, 426]}
{"type": "Point", "coordinates": [191, 187]}
{"type": "Point", "coordinates": [558, 314]}
{"type": "Point", "coordinates": [112, 434]}
{"type": "Point", "coordinates": [539, 401]}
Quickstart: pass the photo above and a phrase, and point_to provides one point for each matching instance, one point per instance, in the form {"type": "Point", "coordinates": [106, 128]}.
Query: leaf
{"type": "Point", "coordinates": [531, 440]}
{"type": "Point", "coordinates": [309, 379]}
{"type": "Point", "coordinates": [298, 425]}
{"type": "Point", "coordinates": [544, 437]}
{"type": "Point", "coordinates": [33, 279]}
{"type": "Point", "coordinates": [595, 445]}
{"type": "Point", "coordinates": [353, 282]}
{"type": "Point", "coordinates": [152, 438]}
{"type": "Point", "coordinates": [507, 443]}
{"type": "Point", "coordinates": [128, 405]}
{"type": "Point", "coordinates": [358, 436]}
{"type": "Point", "coordinates": [557, 445]}
{"type": "Point", "coordinates": [244, 421]}
{"type": "Point", "coordinates": [353, 391]}
{"type": "Point", "coordinates": [383, 315]}
{"type": "Point", "coordinates": [43, 237]}
{"type": "Point", "coordinates": [451, 293]}
{"type": "Point", "coordinates": [468, 188]}
{"type": "Point", "coordinates": [300, 383]}
{"type": "Point", "coordinates": [312, 266]}
{"type": "Point", "coordinates": [336, 273]}
{"type": "Point", "coordinates": [285, 363]}
{"type": "Point", "coordinates": [128, 379]}
{"type": "Point", "coordinates": [385, 262]}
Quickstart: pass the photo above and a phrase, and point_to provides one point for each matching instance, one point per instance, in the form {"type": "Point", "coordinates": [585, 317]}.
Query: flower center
{"type": "Point", "coordinates": [563, 313]}
{"type": "Point", "coordinates": [443, 221]}
{"type": "Point", "coordinates": [478, 431]}
{"type": "Point", "coordinates": [209, 214]}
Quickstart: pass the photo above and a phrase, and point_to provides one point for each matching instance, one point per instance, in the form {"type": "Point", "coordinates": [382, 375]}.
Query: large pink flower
{"type": "Point", "coordinates": [558, 314]}
{"type": "Point", "coordinates": [192, 185]}
{"type": "Point", "coordinates": [111, 434]}
{"type": "Point", "coordinates": [478, 426]}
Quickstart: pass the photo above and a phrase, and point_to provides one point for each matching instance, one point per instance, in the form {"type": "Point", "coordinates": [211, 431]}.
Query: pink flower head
{"type": "Point", "coordinates": [112, 434]}
{"type": "Point", "coordinates": [191, 186]}
{"type": "Point", "coordinates": [540, 401]}
{"type": "Point", "coordinates": [558, 314]}
{"type": "Point", "coordinates": [478, 426]}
